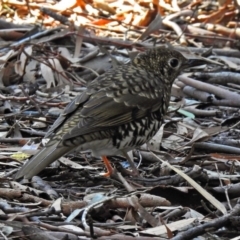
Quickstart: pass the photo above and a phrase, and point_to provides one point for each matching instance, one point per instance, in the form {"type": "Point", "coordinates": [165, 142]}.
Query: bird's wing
{"type": "Point", "coordinates": [113, 105]}
{"type": "Point", "coordinates": [70, 109]}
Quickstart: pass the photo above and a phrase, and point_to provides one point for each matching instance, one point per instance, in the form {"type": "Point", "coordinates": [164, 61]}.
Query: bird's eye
{"type": "Point", "coordinates": [173, 62]}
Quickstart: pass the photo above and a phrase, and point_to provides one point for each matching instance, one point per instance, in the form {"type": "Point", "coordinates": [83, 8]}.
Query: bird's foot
{"type": "Point", "coordinates": [110, 170]}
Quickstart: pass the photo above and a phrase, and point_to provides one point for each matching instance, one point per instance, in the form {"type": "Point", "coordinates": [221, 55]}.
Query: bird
{"type": "Point", "coordinates": [119, 111]}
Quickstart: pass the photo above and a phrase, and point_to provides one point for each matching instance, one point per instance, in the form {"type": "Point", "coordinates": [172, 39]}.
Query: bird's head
{"type": "Point", "coordinates": [165, 63]}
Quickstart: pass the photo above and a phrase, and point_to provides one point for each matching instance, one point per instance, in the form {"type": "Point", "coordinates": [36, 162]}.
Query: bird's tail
{"type": "Point", "coordinates": [42, 159]}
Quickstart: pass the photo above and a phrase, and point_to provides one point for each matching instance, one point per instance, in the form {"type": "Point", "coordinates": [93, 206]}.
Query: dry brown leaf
{"type": "Point", "coordinates": [6, 74]}
{"type": "Point", "coordinates": [23, 188]}
{"type": "Point", "coordinates": [199, 135]}
{"type": "Point", "coordinates": [30, 71]}
{"type": "Point", "coordinates": [217, 204]}
{"type": "Point", "coordinates": [146, 18]}
{"type": "Point", "coordinates": [102, 5]}
{"type": "Point", "coordinates": [159, 8]}
{"type": "Point", "coordinates": [215, 16]}
{"type": "Point", "coordinates": [174, 226]}
{"type": "Point", "coordinates": [173, 142]}
{"type": "Point", "coordinates": [74, 165]}
{"type": "Point", "coordinates": [81, 4]}
{"type": "Point", "coordinates": [79, 40]}
{"type": "Point", "coordinates": [225, 157]}
{"type": "Point", "coordinates": [24, 57]}
{"type": "Point", "coordinates": [59, 74]}
{"type": "Point", "coordinates": [65, 4]}
{"type": "Point", "coordinates": [101, 22]}
{"type": "Point", "coordinates": [5, 57]}
{"type": "Point", "coordinates": [48, 75]}
{"type": "Point", "coordinates": [153, 26]}
{"type": "Point", "coordinates": [57, 205]}
{"type": "Point", "coordinates": [18, 68]}
{"type": "Point", "coordinates": [181, 130]}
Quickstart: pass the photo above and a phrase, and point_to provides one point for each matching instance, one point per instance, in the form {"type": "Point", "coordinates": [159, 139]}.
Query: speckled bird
{"type": "Point", "coordinates": [119, 111]}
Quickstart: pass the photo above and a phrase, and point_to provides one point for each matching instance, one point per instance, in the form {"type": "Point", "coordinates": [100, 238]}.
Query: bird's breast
{"type": "Point", "coordinates": [138, 132]}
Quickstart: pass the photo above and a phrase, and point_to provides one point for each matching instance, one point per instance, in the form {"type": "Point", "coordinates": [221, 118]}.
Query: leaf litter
{"type": "Point", "coordinates": [189, 171]}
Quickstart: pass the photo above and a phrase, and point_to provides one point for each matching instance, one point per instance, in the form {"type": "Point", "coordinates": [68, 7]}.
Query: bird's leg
{"type": "Point", "coordinates": [132, 164]}
{"type": "Point", "coordinates": [111, 172]}
{"type": "Point", "coordinates": [110, 169]}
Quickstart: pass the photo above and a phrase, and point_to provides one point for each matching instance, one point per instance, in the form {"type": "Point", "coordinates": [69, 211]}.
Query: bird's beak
{"type": "Point", "coordinates": [194, 60]}
{"type": "Point", "coordinates": [200, 61]}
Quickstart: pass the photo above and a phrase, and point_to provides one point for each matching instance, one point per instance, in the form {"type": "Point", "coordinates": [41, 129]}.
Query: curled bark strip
{"type": "Point", "coordinates": [168, 22]}
{"type": "Point", "coordinates": [228, 98]}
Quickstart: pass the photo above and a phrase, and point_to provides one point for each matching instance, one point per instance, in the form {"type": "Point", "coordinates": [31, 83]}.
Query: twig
{"type": "Point", "coordinates": [97, 231]}
{"type": "Point", "coordinates": [31, 99]}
